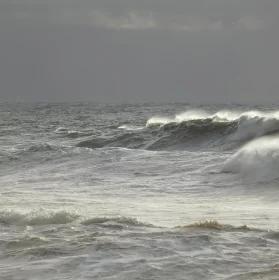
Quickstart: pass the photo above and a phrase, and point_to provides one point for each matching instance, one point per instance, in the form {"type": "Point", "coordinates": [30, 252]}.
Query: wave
{"type": "Point", "coordinates": [36, 218]}
{"type": "Point", "coordinates": [125, 221]}
{"type": "Point", "coordinates": [64, 132]}
{"type": "Point", "coordinates": [258, 160]}
{"type": "Point", "coordinates": [17, 152]}
{"type": "Point", "coordinates": [130, 127]}
{"type": "Point", "coordinates": [26, 241]}
{"type": "Point", "coordinates": [246, 125]}
{"type": "Point", "coordinates": [215, 225]}
{"type": "Point", "coordinates": [270, 273]}
{"type": "Point", "coordinates": [45, 218]}
{"type": "Point", "coordinates": [127, 140]}
{"type": "Point", "coordinates": [40, 150]}
{"type": "Point", "coordinates": [219, 116]}
{"type": "Point", "coordinates": [226, 129]}
{"type": "Point", "coordinates": [41, 147]}
{"type": "Point", "coordinates": [186, 116]}
{"type": "Point", "coordinates": [42, 217]}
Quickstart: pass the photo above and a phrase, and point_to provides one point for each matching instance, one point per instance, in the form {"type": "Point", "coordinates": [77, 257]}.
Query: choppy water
{"type": "Point", "coordinates": [139, 192]}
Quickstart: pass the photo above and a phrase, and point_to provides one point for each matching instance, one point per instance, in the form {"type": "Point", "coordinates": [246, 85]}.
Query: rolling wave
{"type": "Point", "coordinates": [67, 218]}
{"type": "Point", "coordinates": [258, 160]}
{"type": "Point", "coordinates": [246, 125]}
{"type": "Point", "coordinates": [195, 129]}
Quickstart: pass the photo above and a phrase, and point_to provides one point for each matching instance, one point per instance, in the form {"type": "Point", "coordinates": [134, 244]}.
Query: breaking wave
{"type": "Point", "coordinates": [225, 129]}
{"type": "Point", "coordinates": [244, 126]}
{"type": "Point", "coordinates": [130, 127]}
{"type": "Point", "coordinates": [258, 160]}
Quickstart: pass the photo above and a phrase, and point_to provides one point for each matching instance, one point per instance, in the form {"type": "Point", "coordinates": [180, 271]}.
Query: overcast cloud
{"type": "Point", "coordinates": [140, 50]}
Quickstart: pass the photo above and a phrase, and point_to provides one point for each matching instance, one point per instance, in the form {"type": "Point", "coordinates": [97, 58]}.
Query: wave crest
{"type": "Point", "coordinates": [69, 133]}
{"type": "Point", "coordinates": [258, 160]}
{"type": "Point", "coordinates": [248, 125]}
{"type": "Point", "coordinates": [125, 221]}
{"type": "Point", "coordinates": [226, 129]}
{"type": "Point", "coordinates": [215, 225]}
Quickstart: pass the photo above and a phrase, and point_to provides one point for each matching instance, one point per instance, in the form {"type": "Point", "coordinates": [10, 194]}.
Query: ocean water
{"type": "Point", "coordinates": [141, 191]}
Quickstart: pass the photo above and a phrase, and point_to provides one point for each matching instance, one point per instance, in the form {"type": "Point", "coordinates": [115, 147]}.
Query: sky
{"type": "Point", "coordinates": [200, 51]}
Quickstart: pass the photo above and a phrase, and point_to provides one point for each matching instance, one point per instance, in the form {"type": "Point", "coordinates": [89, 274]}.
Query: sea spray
{"type": "Point", "coordinates": [257, 160]}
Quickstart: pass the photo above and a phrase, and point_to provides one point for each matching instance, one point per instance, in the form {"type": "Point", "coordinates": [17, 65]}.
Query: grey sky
{"type": "Point", "coordinates": [140, 50]}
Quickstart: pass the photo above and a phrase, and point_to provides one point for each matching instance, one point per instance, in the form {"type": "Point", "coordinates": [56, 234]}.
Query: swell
{"type": "Point", "coordinates": [110, 221]}
{"type": "Point", "coordinates": [215, 225]}
{"type": "Point", "coordinates": [270, 273]}
{"type": "Point", "coordinates": [64, 132]}
{"type": "Point", "coordinates": [193, 130]}
{"type": "Point", "coordinates": [132, 140]}
{"type": "Point", "coordinates": [42, 151]}
{"type": "Point", "coordinates": [36, 218]}
{"type": "Point", "coordinates": [45, 218]}
{"type": "Point", "coordinates": [41, 218]}
{"type": "Point", "coordinates": [258, 160]}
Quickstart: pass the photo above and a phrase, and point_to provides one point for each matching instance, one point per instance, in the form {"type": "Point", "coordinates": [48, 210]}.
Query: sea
{"type": "Point", "coordinates": [139, 191]}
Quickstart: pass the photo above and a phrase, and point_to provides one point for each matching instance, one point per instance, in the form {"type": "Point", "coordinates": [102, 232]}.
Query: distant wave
{"type": "Point", "coordinates": [41, 147]}
{"type": "Point", "coordinates": [220, 116]}
{"type": "Point", "coordinates": [193, 129]}
{"type": "Point", "coordinates": [64, 132]}
{"type": "Point", "coordinates": [36, 218]}
{"type": "Point", "coordinates": [270, 273]}
{"type": "Point", "coordinates": [131, 127]}
{"type": "Point", "coordinates": [126, 140]}
{"type": "Point", "coordinates": [113, 220]}
{"type": "Point", "coordinates": [44, 218]}
{"type": "Point", "coordinates": [39, 150]}
{"type": "Point", "coordinates": [26, 242]}
{"type": "Point", "coordinates": [215, 225]}
{"type": "Point", "coordinates": [18, 152]}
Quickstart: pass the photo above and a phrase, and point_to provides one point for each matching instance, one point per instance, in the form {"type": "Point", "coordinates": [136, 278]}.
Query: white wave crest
{"type": "Point", "coordinates": [249, 124]}
{"type": "Point", "coordinates": [158, 121]}
{"type": "Point", "coordinates": [223, 115]}
{"type": "Point", "coordinates": [258, 160]}
{"type": "Point", "coordinates": [182, 117]}
{"type": "Point", "coordinates": [130, 127]}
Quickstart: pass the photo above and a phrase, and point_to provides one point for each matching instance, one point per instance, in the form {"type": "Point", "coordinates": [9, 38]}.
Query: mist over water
{"type": "Point", "coordinates": [139, 191]}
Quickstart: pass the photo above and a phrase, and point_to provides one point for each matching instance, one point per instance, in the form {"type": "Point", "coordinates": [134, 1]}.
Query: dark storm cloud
{"type": "Point", "coordinates": [139, 50]}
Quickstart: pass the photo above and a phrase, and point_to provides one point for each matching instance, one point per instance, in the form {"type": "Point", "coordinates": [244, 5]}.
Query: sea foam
{"type": "Point", "coordinates": [257, 160]}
